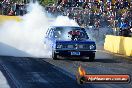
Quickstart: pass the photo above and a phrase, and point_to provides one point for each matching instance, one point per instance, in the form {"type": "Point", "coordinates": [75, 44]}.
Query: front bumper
{"type": "Point", "coordinates": [68, 53]}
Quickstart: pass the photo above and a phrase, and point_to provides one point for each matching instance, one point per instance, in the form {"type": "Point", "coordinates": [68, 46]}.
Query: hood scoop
{"type": "Point", "coordinates": [74, 35]}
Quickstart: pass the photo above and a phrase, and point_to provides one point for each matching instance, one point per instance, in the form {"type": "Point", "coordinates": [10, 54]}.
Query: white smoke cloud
{"type": "Point", "coordinates": [27, 36]}
{"type": "Point", "coordinates": [64, 21]}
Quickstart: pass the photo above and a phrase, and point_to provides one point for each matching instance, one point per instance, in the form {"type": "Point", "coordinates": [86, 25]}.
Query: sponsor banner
{"type": "Point", "coordinates": [107, 78]}
{"type": "Point", "coordinates": [83, 77]}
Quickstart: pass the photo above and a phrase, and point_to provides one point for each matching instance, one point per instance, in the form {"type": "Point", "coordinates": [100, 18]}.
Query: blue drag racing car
{"type": "Point", "coordinates": [69, 41]}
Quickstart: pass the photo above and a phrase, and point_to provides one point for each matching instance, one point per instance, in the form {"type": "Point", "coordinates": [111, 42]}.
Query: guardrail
{"type": "Point", "coordinates": [118, 44]}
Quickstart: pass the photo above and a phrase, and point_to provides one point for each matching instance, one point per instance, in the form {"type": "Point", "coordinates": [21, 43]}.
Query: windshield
{"type": "Point", "coordinates": [70, 33]}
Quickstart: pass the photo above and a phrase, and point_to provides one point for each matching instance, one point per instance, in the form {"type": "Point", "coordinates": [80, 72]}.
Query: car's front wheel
{"type": "Point", "coordinates": [92, 57]}
{"type": "Point", "coordinates": [54, 56]}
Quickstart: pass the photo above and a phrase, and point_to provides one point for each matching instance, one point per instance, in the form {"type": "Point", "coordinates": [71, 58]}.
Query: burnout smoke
{"type": "Point", "coordinates": [26, 38]}
{"type": "Point", "coordinates": [64, 21]}
{"type": "Point", "coordinates": [27, 35]}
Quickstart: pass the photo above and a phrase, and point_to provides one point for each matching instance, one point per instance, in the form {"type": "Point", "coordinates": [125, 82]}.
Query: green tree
{"type": "Point", "coordinates": [47, 2]}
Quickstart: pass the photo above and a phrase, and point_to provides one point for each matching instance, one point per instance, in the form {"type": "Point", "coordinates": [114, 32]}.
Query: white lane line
{"type": "Point", "coordinates": [3, 81]}
{"type": "Point", "coordinates": [15, 82]}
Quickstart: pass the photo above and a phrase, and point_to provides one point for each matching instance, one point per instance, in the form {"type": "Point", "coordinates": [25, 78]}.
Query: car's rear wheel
{"type": "Point", "coordinates": [92, 57]}
{"type": "Point", "coordinates": [54, 56]}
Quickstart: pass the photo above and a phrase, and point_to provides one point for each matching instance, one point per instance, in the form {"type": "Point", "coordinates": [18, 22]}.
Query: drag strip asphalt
{"type": "Point", "coordinates": [34, 73]}
{"type": "Point", "coordinates": [48, 73]}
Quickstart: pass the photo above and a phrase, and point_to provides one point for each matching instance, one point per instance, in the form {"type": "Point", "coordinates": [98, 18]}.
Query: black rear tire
{"type": "Point", "coordinates": [54, 56]}
{"type": "Point", "coordinates": [92, 57]}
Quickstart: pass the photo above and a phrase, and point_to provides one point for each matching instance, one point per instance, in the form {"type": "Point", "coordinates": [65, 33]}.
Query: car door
{"type": "Point", "coordinates": [49, 38]}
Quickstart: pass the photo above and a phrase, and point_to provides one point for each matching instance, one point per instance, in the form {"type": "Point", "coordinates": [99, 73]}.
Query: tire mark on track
{"type": "Point", "coordinates": [13, 82]}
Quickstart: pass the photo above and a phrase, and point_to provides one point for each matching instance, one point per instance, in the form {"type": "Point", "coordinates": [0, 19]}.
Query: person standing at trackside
{"type": "Point", "coordinates": [124, 30]}
{"type": "Point", "coordinates": [11, 12]}
{"type": "Point", "coordinates": [0, 7]}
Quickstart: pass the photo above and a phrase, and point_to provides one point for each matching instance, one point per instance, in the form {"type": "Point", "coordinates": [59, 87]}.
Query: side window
{"type": "Point", "coordinates": [50, 35]}
{"type": "Point", "coordinates": [47, 33]}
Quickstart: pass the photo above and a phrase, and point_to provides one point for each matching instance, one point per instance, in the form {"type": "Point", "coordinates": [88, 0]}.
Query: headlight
{"type": "Point", "coordinates": [59, 46]}
{"type": "Point", "coordinates": [92, 47]}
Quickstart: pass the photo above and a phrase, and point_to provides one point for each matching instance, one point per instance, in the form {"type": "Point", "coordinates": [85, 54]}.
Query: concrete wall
{"type": "Point", "coordinates": [7, 18]}
{"type": "Point", "coordinates": [118, 44]}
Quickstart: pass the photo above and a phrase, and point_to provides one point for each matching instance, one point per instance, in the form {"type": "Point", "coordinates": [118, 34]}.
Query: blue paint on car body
{"type": "Point", "coordinates": [64, 40]}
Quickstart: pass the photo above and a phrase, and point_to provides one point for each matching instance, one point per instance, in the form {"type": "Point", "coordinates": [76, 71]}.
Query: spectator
{"type": "Point", "coordinates": [84, 12]}
{"type": "Point", "coordinates": [124, 28]}
{"type": "Point", "coordinates": [11, 13]}
{"type": "Point", "coordinates": [0, 7]}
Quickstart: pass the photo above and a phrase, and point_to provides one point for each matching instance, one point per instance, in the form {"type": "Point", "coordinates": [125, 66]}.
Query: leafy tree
{"type": "Point", "coordinates": [47, 2]}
